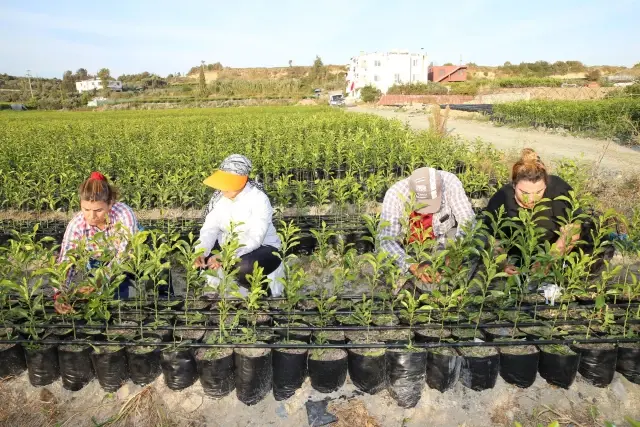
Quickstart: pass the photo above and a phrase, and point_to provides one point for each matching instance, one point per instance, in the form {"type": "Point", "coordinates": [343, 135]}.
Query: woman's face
{"type": "Point", "coordinates": [231, 194]}
{"type": "Point", "coordinates": [95, 213]}
{"type": "Point", "coordinates": [528, 193]}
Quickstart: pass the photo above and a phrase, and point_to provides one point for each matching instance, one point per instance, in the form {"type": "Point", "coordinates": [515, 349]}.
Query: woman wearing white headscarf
{"type": "Point", "coordinates": [242, 202]}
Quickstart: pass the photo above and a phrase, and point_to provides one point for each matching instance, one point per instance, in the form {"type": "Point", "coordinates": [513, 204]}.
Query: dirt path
{"type": "Point", "coordinates": [616, 159]}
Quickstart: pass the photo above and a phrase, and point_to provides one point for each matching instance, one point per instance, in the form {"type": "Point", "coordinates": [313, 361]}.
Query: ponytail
{"type": "Point", "coordinates": [97, 189]}
{"type": "Point", "coordinates": [529, 168]}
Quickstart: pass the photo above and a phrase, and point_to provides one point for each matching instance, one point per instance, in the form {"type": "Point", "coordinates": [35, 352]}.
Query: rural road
{"type": "Point", "coordinates": [617, 159]}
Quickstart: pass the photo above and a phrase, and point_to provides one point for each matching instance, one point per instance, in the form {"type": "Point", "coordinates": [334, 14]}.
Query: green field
{"type": "Point", "coordinates": [158, 159]}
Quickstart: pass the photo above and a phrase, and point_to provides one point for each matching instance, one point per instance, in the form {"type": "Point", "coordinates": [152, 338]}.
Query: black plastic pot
{"type": "Point", "coordinates": [432, 334]}
{"type": "Point", "coordinates": [217, 373]}
{"type": "Point", "coordinates": [12, 361]}
{"type": "Point", "coordinates": [629, 361]}
{"type": "Point", "coordinates": [558, 368]}
{"type": "Point", "coordinates": [597, 362]}
{"type": "Point", "coordinates": [493, 334]}
{"type": "Point", "coordinates": [42, 364]}
{"type": "Point", "coordinates": [254, 374]}
{"type": "Point", "coordinates": [443, 368]}
{"type": "Point", "coordinates": [110, 366]}
{"type": "Point", "coordinates": [179, 368]}
{"type": "Point", "coordinates": [327, 369]}
{"type": "Point", "coordinates": [405, 375]}
{"type": "Point", "coordinates": [294, 335]}
{"type": "Point", "coordinates": [76, 369]}
{"type": "Point", "coordinates": [480, 367]}
{"type": "Point", "coordinates": [144, 363]}
{"type": "Point", "coordinates": [367, 369]}
{"type": "Point", "coordinates": [519, 368]}
{"type": "Point", "coordinates": [289, 371]}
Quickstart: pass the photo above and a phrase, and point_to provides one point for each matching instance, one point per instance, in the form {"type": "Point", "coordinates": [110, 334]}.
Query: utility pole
{"type": "Point", "coordinates": [29, 77]}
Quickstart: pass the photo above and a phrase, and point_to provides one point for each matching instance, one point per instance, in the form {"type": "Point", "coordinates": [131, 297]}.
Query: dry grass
{"type": "Point", "coordinates": [438, 120]}
{"type": "Point", "coordinates": [352, 413]}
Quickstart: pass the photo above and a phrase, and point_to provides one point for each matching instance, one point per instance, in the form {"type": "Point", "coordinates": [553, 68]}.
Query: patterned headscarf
{"type": "Point", "coordinates": [238, 165]}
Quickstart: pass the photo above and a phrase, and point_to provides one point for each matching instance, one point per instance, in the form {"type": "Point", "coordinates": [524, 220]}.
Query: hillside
{"type": "Point", "coordinates": [263, 73]}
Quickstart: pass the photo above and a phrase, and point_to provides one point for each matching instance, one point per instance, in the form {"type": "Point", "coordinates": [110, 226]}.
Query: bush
{"type": "Point", "coordinates": [370, 93]}
{"type": "Point", "coordinates": [429, 88]}
{"type": "Point", "coordinates": [617, 118]}
{"type": "Point", "coordinates": [528, 82]}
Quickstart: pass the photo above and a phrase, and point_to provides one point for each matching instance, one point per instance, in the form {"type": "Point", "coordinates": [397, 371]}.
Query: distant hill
{"type": "Point", "coordinates": [262, 73]}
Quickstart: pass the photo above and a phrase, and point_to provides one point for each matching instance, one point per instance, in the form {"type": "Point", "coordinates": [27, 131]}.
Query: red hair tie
{"type": "Point", "coordinates": [97, 176]}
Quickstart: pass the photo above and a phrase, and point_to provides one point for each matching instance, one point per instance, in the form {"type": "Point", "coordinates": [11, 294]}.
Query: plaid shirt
{"type": "Point", "coordinates": [455, 208]}
{"type": "Point", "coordinates": [78, 229]}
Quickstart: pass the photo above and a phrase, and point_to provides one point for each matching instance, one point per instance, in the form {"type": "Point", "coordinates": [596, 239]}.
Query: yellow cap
{"type": "Point", "coordinates": [226, 181]}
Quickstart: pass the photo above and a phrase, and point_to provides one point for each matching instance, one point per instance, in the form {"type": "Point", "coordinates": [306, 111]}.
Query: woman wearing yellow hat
{"type": "Point", "coordinates": [239, 200]}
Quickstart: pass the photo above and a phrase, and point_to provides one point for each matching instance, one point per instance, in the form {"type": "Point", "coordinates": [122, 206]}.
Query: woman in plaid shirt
{"type": "Point", "coordinates": [100, 213]}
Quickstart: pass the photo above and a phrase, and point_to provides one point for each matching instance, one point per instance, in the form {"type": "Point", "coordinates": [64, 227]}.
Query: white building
{"type": "Point", "coordinates": [96, 84]}
{"type": "Point", "coordinates": [384, 69]}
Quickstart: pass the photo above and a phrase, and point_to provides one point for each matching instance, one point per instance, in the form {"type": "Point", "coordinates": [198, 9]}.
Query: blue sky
{"type": "Point", "coordinates": [49, 37]}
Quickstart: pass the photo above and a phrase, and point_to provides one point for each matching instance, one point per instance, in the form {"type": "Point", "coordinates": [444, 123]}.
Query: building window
{"type": "Point", "coordinates": [415, 62]}
{"type": "Point", "coordinates": [376, 63]}
{"type": "Point", "coordinates": [396, 78]}
{"type": "Point", "coordinates": [376, 78]}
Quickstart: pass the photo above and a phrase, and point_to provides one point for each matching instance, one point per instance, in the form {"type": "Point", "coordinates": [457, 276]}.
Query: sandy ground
{"type": "Point", "coordinates": [611, 157]}
{"type": "Point", "coordinates": [156, 405]}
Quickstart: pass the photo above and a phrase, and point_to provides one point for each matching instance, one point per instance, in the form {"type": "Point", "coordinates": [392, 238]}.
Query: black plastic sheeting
{"type": "Point", "coordinates": [405, 377]}
{"type": "Point", "coordinates": [179, 368]}
{"type": "Point", "coordinates": [558, 369]}
{"type": "Point", "coordinates": [12, 361]}
{"type": "Point", "coordinates": [254, 376]}
{"type": "Point", "coordinates": [443, 370]}
{"type": "Point", "coordinates": [480, 372]}
{"type": "Point", "coordinates": [597, 366]}
{"type": "Point", "coordinates": [629, 363]}
{"type": "Point", "coordinates": [76, 369]}
{"type": "Point", "coordinates": [289, 372]}
{"type": "Point", "coordinates": [520, 370]}
{"type": "Point", "coordinates": [367, 372]}
{"type": "Point", "coordinates": [144, 368]}
{"type": "Point", "coordinates": [42, 364]}
{"type": "Point", "coordinates": [111, 368]}
{"type": "Point", "coordinates": [328, 376]}
{"type": "Point", "coordinates": [472, 108]}
{"type": "Point", "coordinates": [217, 376]}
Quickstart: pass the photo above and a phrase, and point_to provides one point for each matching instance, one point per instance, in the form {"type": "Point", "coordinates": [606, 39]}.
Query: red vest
{"type": "Point", "coordinates": [421, 227]}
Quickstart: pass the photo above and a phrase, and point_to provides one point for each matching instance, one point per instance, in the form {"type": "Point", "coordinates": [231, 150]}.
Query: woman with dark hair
{"type": "Point", "coordinates": [242, 202]}
{"type": "Point", "coordinates": [100, 212]}
{"type": "Point", "coordinates": [531, 185]}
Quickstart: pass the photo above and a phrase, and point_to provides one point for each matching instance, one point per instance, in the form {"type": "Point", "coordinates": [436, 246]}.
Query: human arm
{"type": "Point", "coordinates": [390, 231]}
{"type": "Point", "coordinates": [458, 202]}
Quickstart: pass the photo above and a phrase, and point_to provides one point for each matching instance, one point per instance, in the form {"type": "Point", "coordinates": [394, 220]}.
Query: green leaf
{"type": "Point", "coordinates": [600, 302]}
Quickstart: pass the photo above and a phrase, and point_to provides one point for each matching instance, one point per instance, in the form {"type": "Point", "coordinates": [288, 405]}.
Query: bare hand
{"type": "Point", "coordinates": [85, 290]}
{"type": "Point", "coordinates": [62, 307]}
{"type": "Point", "coordinates": [418, 272]}
{"type": "Point", "coordinates": [200, 262]}
{"type": "Point", "coordinates": [511, 270]}
{"type": "Point", "coordinates": [214, 262]}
